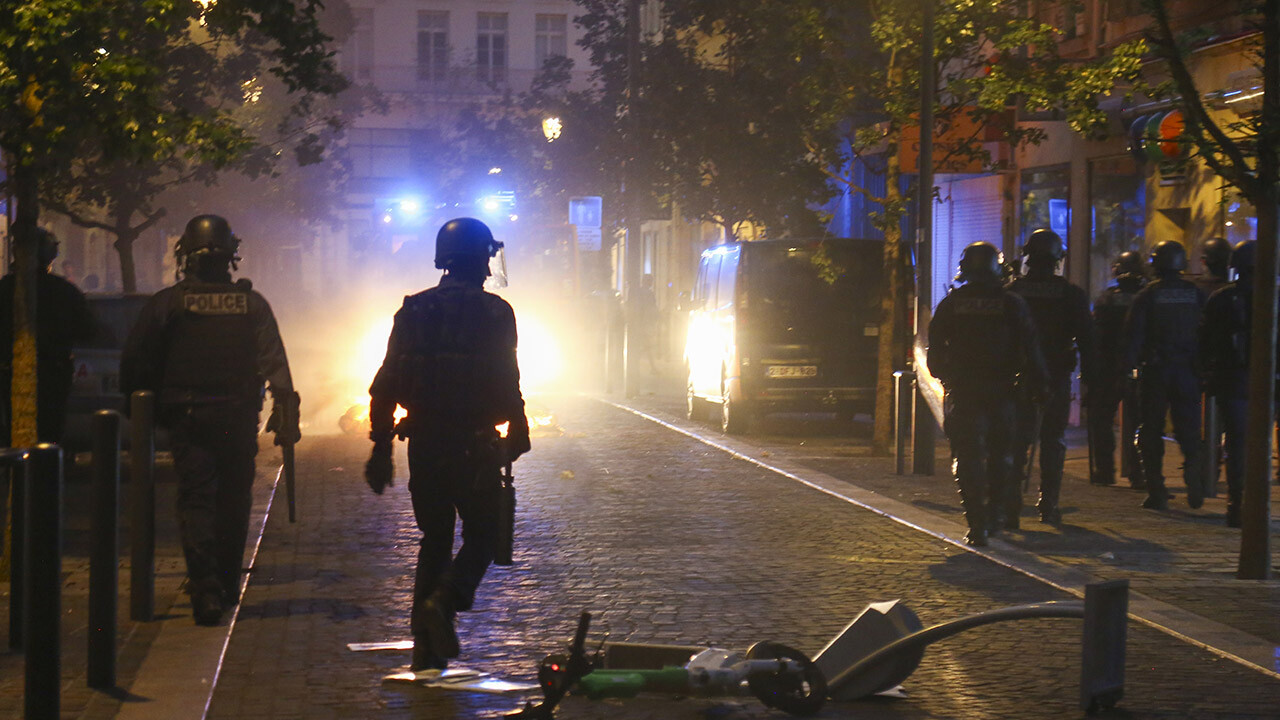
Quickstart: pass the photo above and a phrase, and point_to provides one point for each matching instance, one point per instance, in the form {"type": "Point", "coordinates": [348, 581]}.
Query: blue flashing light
{"type": "Point", "coordinates": [410, 206]}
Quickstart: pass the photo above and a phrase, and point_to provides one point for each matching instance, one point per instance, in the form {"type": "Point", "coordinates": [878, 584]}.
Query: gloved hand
{"type": "Point", "coordinates": [379, 472]}
{"type": "Point", "coordinates": [284, 418]}
{"type": "Point", "coordinates": [515, 446]}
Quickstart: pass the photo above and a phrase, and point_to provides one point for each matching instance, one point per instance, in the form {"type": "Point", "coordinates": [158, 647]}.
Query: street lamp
{"type": "Point", "coordinates": [551, 128]}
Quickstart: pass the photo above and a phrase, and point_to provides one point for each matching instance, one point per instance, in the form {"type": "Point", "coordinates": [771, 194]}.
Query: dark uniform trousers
{"type": "Point", "coordinates": [979, 424]}
{"type": "Point", "coordinates": [451, 481]}
{"type": "Point", "coordinates": [214, 446]}
{"type": "Point", "coordinates": [1055, 411]}
{"type": "Point", "coordinates": [1104, 404]}
{"type": "Point", "coordinates": [1171, 388]}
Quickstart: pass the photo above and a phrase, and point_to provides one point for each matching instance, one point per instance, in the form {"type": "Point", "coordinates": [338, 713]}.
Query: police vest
{"type": "Point", "coordinates": [453, 352]}
{"type": "Point", "coordinates": [210, 344]}
{"type": "Point", "coordinates": [1050, 301]}
{"type": "Point", "coordinates": [1173, 321]}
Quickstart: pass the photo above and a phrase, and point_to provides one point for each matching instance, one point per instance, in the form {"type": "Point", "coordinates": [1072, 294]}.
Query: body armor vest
{"type": "Point", "coordinates": [210, 345]}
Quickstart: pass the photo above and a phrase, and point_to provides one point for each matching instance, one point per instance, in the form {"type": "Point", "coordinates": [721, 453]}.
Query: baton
{"type": "Point", "coordinates": [506, 519]}
{"type": "Point", "coordinates": [287, 451]}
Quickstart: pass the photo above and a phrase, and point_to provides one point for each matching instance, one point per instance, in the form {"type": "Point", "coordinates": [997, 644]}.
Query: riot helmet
{"type": "Point", "coordinates": [1044, 245]}
{"type": "Point", "coordinates": [1127, 263]}
{"type": "Point", "coordinates": [1168, 257]}
{"type": "Point", "coordinates": [47, 248]}
{"type": "Point", "coordinates": [980, 262]}
{"type": "Point", "coordinates": [465, 242]}
{"type": "Point", "coordinates": [207, 246]}
{"type": "Point", "coordinates": [1216, 255]}
{"type": "Point", "coordinates": [1244, 259]}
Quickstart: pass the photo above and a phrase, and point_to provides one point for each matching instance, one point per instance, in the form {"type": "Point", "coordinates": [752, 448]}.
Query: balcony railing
{"type": "Point", "coordinates": [468, 81]}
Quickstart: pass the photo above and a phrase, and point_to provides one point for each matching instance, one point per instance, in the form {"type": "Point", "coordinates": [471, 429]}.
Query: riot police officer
{"type": "Point", "coordinates": [1216, 257]}
{"type": "Point", "coordinates": [1224, 347]}
{"type": "Point", "coordinates": [1065, 329]}
{"type": "Point", "coordinates": [206, 346]}
{"type": "Point", "coordinates": [451, 363]}
{"type": "Point", "coordinates": [982, 343]}
{"type": "Point", "coordinates": [65, 320]}
{"type": "Point", "coordinates": [1162, 331]}
{"type": "Point", "coordinates": [1110, 380]}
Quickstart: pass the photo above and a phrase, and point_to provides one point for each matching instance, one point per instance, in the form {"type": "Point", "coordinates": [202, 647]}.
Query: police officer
{"type": "Point", "coordinates": [982, 343]}
{"type": "Point", "coordinates": [205, 346]}
{"type": "Point", "coordinates": [1110, 380]}
{"type": "Point", "coordinates": [1162, 329]}
{"type": "Point", "coordinates": [1224, 348]}
{"type": "Point", "coordinates": [1065, 329]}
{"type": "Point", "coordinates": [65, 320]}
{"type": "Point", "coordinates": [1216, 256]}
{"type": "Point", "coordinates": [451, 362]}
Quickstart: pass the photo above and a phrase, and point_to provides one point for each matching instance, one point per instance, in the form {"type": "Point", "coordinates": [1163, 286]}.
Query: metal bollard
{"type": "Point", "coordinates": [1212, 445]}
{"type": "Point", "coordinates": [903, 384]}
{"type": "Point", "coordinates": [1102, 648]}
{"type": "Point", "coordinates": [17, 563]}
{"type": "Point", "coordinates": [42, 597]}
{"type": "Point", "coordinates": [142, 507]}
{"type": "Point", "coordinates": [105, 555]}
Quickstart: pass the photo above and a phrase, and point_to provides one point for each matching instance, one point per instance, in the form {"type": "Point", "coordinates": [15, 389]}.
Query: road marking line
{"type": "Point", "coordinates": [1217, 638]}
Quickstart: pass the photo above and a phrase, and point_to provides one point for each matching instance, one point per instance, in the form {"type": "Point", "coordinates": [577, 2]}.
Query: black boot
{"type": "Point", "coordinates": [206, 602]}
{"type": "Point", "coordinates": [436, 613]}
{"type": "Point", "coordinates": [424, 658]}
{"type": "Point", "coordinates": [1047, 505]}
{"type": "Point", "coordinates": [1233, 509]}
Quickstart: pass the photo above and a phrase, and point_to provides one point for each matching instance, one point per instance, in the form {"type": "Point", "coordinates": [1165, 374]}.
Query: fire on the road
{"type": "Point", "coordinates": [538, 356]}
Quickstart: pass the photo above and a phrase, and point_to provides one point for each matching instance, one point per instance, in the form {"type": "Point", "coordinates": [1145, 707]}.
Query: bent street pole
{"type": "Point", "coordinates": [922, 462]}
{"type": "Point", "coordinates": [1255, 519]}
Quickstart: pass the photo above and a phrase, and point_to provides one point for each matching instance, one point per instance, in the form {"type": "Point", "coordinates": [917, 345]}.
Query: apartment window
{"type": "Point", "coordinates": [550, 38]}
{"type": "Point", "coordinates": [491, 47]}
{"type": "Point", "coordinates": [433, 44]}
{"type": "Point", "coordinates": [357, 61]}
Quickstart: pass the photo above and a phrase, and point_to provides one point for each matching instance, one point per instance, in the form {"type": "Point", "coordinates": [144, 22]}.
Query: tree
{"type": "Point", "coordinates": [1245, 152]}
{"type": "Point", "coordinates": [87, 80]}
{"type": "Point", "coordinates": [741, 95]}
{"type": "Point", "coordinates": [118, 194]}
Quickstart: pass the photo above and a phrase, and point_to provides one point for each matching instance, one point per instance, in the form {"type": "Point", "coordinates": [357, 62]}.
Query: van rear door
{"type": "Point", "coordinates": [811, 314]}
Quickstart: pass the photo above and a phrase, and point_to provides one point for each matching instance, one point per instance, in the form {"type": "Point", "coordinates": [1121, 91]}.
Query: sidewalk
{"type": "Point", "coordinates": [137, 641]}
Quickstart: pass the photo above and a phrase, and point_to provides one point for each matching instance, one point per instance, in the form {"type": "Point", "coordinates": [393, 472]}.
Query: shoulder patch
{"type": "Point", "coordinates": [1176, 296]}
{"type": "Point", "coordinates": [224, 303]}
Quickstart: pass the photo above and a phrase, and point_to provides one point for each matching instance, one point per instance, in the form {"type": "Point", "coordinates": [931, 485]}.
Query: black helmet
{"type": "Point", "coordinates": [463, 238]}
{"type": "Point", "coordinates": [1044, 244]}
{"type": "Point", "coordinates": [980, 261]}
{"type": "Point", "coordinates": [1127, 263]}
{"type": "Point", "coordinates": [47, 249]}
{"type": "Point", "coordinates": [1245, 257]}
{"type": "Point", "coordinates": [208, 234]}
{"type": "Point", "coordinates": [1216, 254]}
{"type": "Point", "coordinates": [1168, 256]}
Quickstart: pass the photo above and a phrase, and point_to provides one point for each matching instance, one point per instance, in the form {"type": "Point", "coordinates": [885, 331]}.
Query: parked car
{"type": "Point", "coordinates": [784, 325]}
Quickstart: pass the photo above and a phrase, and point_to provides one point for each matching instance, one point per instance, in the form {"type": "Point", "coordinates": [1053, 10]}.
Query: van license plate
{"type": "Point", "coordinates": [791, 371]}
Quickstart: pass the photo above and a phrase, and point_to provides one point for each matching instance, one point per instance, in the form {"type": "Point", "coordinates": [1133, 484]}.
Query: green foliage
{"type": "Point", "coordinates": [125, 98]}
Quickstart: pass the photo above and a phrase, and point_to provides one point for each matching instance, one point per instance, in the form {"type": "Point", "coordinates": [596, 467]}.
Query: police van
{"type": "Point", "coordinates": [784, 325]}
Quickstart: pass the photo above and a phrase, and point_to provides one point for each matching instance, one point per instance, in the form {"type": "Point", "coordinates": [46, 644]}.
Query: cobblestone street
{"type": "Point", "coordinates": [666, 539]}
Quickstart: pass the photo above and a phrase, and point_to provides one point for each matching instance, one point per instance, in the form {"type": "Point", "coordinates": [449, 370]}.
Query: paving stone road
{"type": "Point", "coordinates": [666, 540]}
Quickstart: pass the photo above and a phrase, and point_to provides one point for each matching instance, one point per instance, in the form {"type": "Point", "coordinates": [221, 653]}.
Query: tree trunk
{"type": "Point", "coordinates": [888, 358]}
{"type": "Point", "coordinates": [125, 237]}
{"type": "Point", "coordinates": [22, 388]}
{"type": "Point", "coordinates": [1255, 535]}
